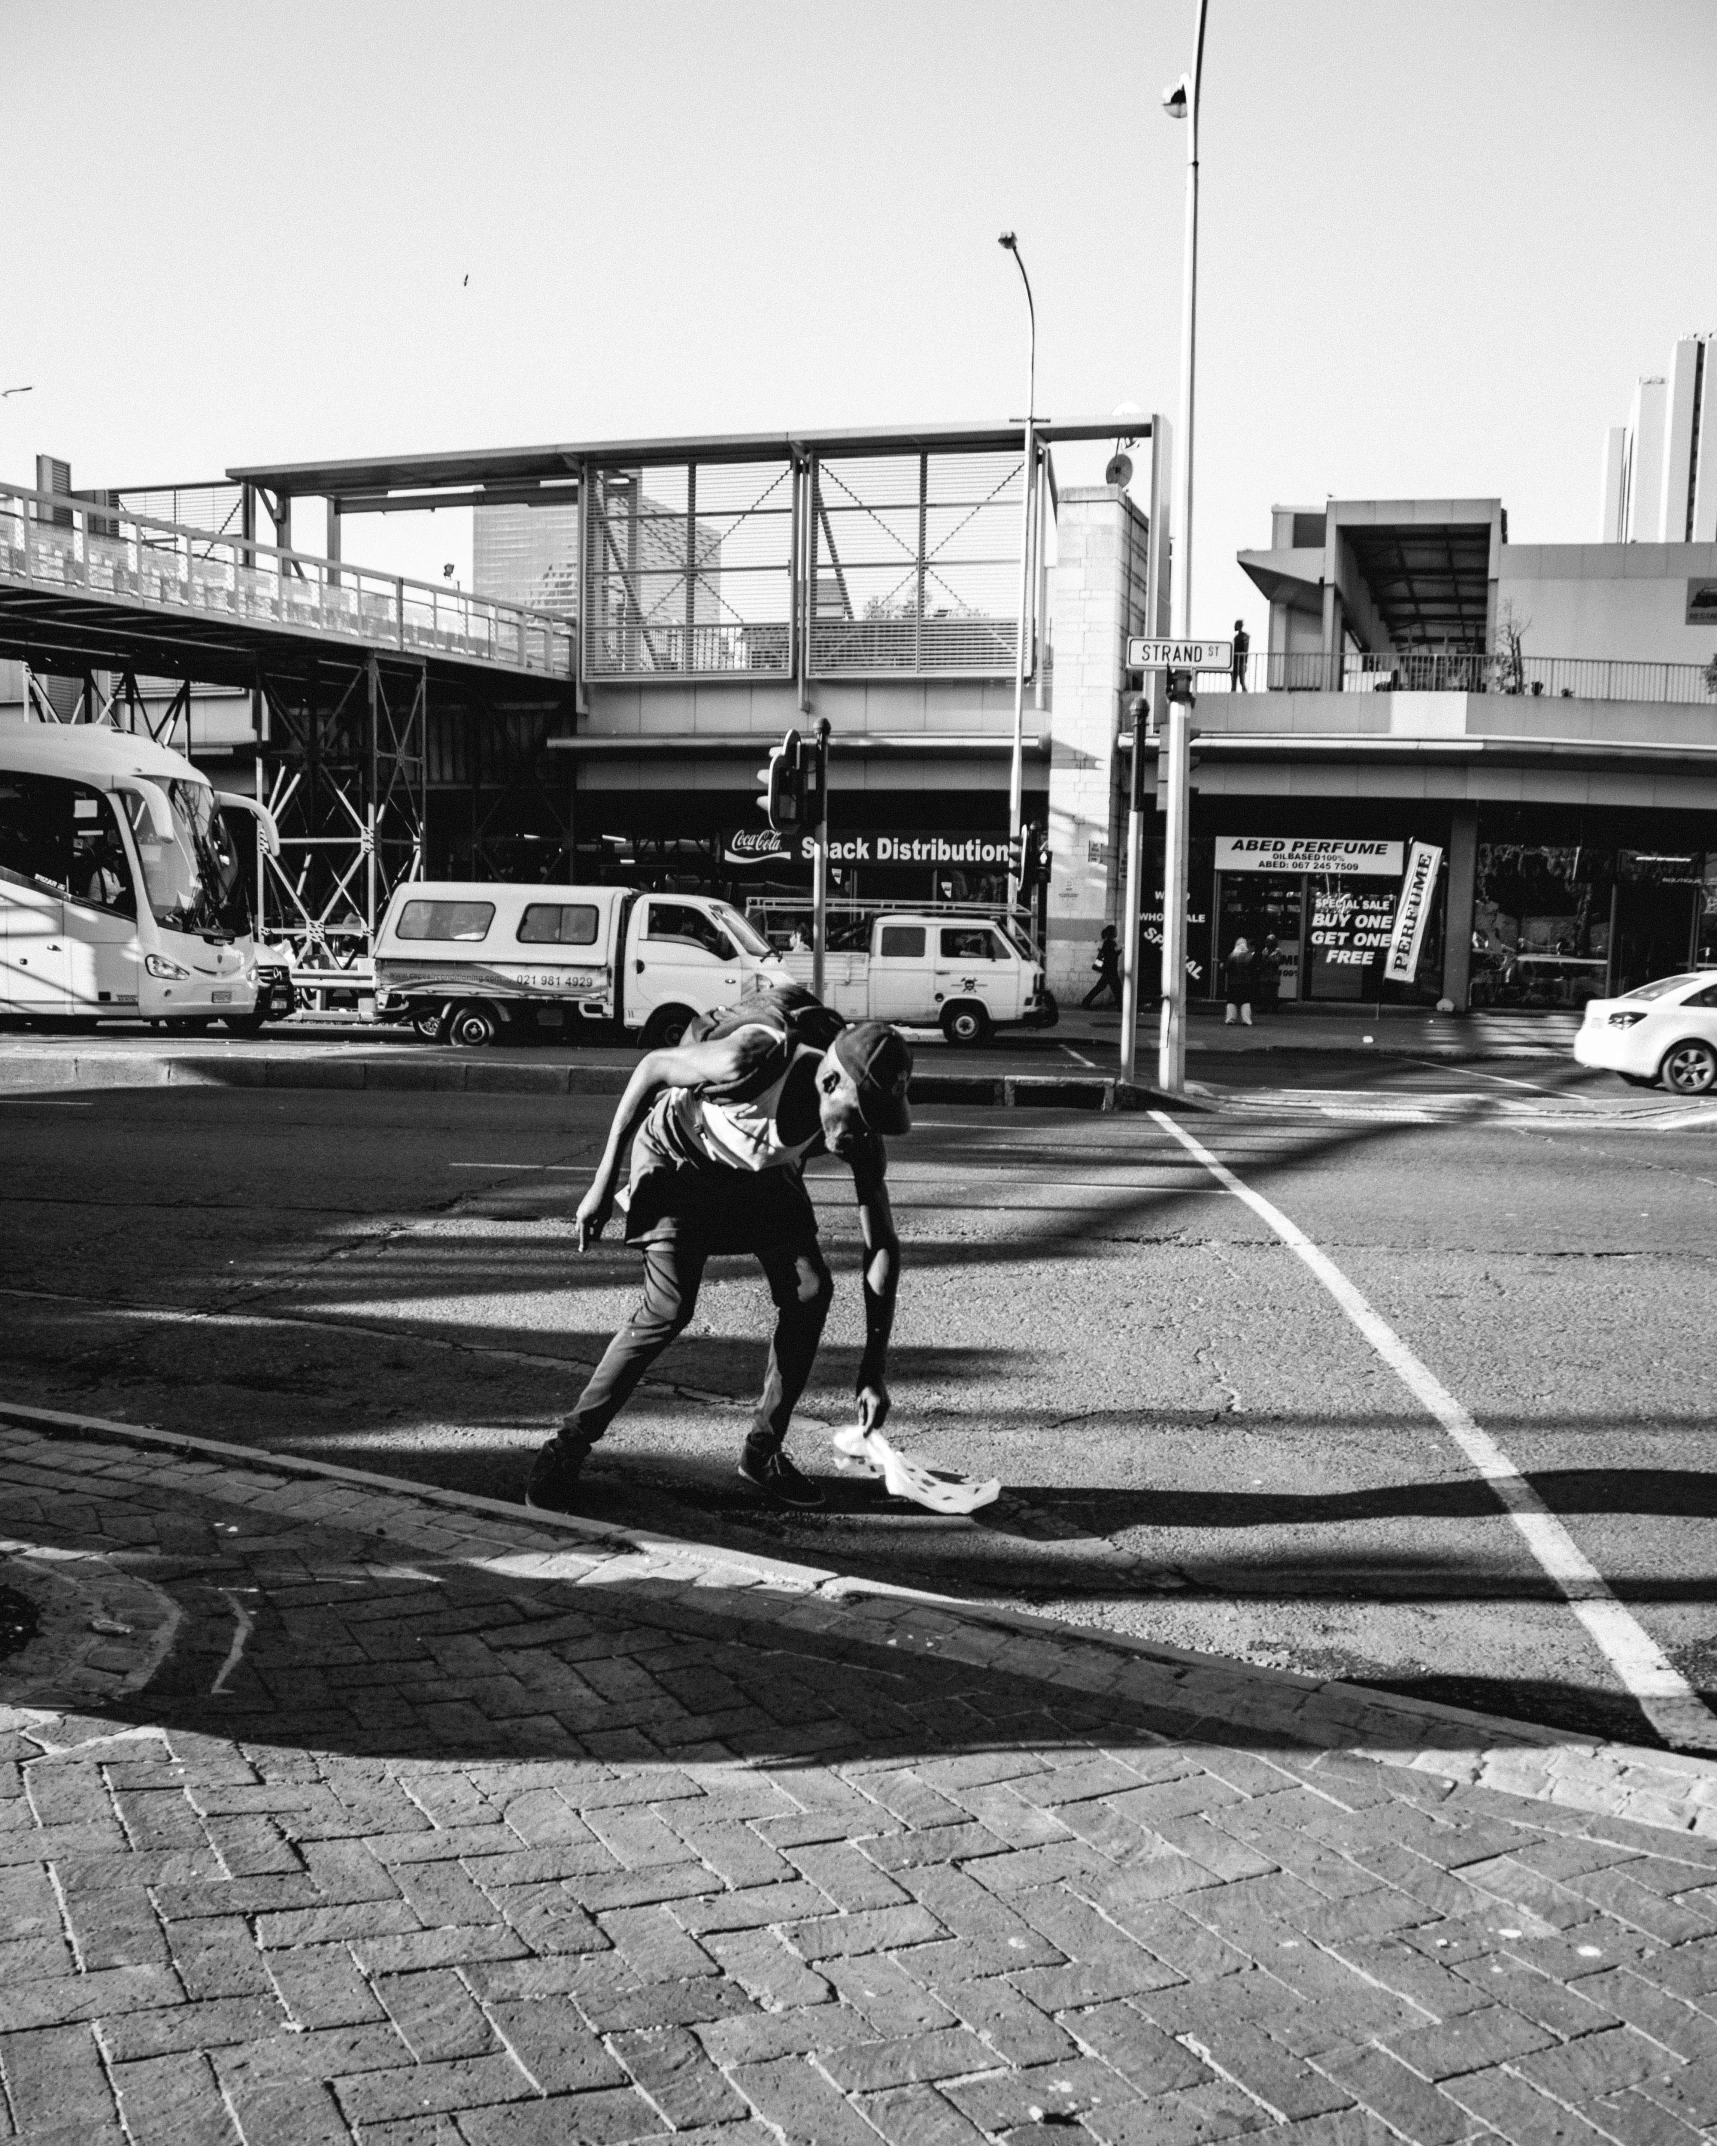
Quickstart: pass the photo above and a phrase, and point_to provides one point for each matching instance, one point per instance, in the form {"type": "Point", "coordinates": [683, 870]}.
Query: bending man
{"type": "Point", "coordinates": [720, 1129]}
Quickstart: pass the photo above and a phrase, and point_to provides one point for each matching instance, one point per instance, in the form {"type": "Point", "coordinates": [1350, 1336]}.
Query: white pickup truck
{"type": "Point", "coordinates": [967, 976]}
{"type": "Point", "coordinates": [465, 960]}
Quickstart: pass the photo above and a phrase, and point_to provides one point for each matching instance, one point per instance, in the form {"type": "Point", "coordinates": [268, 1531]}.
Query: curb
{"type": "Point", "coordinates": [1206, 1694]}
{"type": "Point", "coordinates": [457, 1073]}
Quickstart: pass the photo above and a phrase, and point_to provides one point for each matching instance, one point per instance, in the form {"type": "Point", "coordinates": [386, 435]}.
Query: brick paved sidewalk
{"type": "Point", "coordinates": [331, 1811]}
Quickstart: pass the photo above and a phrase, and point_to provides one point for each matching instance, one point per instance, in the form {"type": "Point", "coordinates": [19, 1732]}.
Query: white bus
{"type": "Point", "coordinates": [122, 894]}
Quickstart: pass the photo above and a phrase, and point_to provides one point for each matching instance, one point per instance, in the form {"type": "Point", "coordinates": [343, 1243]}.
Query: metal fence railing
{"type": "Point", "coordinates": [689, 569]}
{"type": "Point", "coordinates": [1435, 670]}
{"type": "Point", "coordinates": [915, 563]}
{"type": "Point", "coordinates": [81, 547]}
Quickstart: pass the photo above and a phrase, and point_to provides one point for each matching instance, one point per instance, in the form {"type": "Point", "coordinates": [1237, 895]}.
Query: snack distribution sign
{"type": "Point", "coordinates": [762, 845]}
{"type": "Point", "coordinates": [1286, 853]}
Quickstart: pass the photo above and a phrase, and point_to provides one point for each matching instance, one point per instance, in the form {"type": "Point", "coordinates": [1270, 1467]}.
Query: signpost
{"type": "Point", "coordinates": [1182, 660]}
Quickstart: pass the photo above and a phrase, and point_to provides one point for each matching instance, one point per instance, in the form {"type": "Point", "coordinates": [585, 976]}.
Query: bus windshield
{"type": "Point", "coordinates": [194, 882]}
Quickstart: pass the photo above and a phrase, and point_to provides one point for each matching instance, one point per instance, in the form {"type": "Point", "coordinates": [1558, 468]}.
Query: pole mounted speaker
{"type": "Point", "coordinates": [1119, 470]}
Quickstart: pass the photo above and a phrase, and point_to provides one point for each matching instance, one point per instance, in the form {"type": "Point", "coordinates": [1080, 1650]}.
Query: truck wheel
{"type": "Point", "coordinates": [666, 1027]}
{"type": "Point", "coordinates": [966, 1024]}
{"type": "Point", "coordinates": [472, 1027]}
{"type": "Point", "coordinates": [1051, 1009]}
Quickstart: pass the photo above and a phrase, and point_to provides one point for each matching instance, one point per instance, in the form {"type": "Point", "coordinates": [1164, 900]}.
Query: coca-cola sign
{"type": "Point", "coordinates": [759, 845]}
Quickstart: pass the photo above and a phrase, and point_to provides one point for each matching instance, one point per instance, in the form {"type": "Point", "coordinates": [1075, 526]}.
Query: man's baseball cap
{"type": "Point", "coordinates": [880, 1067]}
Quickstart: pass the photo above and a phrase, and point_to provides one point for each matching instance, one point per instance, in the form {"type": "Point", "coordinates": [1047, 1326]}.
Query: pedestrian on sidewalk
{"type": "Point", "coordinates": [720, 1129]}
{"type": "Point", "coordinates": [1237, 985]}
{"type": "Point", "coordinates": [1269, 983]}
{"type": "Point", "coordinates": [1108, 967]}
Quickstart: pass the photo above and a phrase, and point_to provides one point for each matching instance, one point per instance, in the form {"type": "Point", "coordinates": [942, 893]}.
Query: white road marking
{"type": "Point", "coordinates": [1508, 1080]}
{"type": "Point", "coordinates": [1080, 1055]}
{"type": "Point", "coordinates": [1664, 1695]}
{"type": "Point", "coordinates": [243, 1622]}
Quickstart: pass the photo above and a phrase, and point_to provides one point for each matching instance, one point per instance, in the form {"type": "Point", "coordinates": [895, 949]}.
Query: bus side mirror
{"type": "Point", "coordinates": [267, 832]}
{"type": "Point", "coordinates": [155, 805]}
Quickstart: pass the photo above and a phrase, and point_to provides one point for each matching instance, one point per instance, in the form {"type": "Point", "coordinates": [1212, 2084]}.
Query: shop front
{"type": "Point", "coordinates": [1325, 908]}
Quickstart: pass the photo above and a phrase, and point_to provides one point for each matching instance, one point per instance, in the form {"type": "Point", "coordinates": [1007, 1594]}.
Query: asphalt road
{"type": "Point", "coordinates": [1198, 1443]}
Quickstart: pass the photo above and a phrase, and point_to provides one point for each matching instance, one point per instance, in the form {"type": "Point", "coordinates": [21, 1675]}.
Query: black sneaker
{"type": "Point", "coordinates": [553, 1486]}
{"type": "Point", "coordinates": [767, 1468]}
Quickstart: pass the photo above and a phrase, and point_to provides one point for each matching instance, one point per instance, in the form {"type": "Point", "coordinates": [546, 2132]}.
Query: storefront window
{"type": "Point", "coordinates": [1542, 917]}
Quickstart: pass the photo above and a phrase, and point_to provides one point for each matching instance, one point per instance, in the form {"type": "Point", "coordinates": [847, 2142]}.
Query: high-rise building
{"type": "Point", "coordinates": [527, 555]}
{"type": "Point", "coordinates": [1659, 483]}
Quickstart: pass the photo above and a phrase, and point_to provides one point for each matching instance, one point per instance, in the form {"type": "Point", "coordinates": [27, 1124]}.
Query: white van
{"type": "Point", "coordinates": [464, 960]}
{"type": "Point", "coordinates": [123, 895]}
{"type": "Point", "coordinates": [967, 975]}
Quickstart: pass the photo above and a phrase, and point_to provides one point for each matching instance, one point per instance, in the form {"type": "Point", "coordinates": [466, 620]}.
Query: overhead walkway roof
{"type": "Point", "coordinates": [504, 468]}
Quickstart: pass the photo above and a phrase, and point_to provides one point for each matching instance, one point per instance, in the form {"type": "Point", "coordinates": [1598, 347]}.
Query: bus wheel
{"type": "Point", "coordinates": [666, 1027]}
{"type": "Point", "coordinates": [472, 1027]}
{"type": "Point", "coordinates": [966, 1024]}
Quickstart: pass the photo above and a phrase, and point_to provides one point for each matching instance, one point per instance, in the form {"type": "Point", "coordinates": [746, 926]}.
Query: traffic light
{"type": "Point", "coordinates": [782, 797]}
{"type": "Point", "coordinates": [1029, 858]}
{"type": "Point", "coordinates": [1181, 686]}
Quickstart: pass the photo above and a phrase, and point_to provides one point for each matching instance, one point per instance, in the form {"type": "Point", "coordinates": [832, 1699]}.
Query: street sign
{"type": "Point", "coordinates": [1144, 655]}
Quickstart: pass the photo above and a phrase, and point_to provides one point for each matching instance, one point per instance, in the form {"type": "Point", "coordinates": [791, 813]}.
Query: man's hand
{"type": "Point", "coordinates": [873, 1405]}
{"type": "Point", "coordinates": [593, 1213]}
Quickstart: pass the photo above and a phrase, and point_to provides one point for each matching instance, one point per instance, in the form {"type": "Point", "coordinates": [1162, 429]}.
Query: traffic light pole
{"type": "Point", "coordinates": [1135, 902]}
{"type": "Point", "coordinates": [1171, 1040]}
{"type": "Point", "coordinates": [820, 864]}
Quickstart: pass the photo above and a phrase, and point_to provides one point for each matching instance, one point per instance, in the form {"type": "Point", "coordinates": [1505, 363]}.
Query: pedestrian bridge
{"type": "Point", "coordinates": [87, 586]}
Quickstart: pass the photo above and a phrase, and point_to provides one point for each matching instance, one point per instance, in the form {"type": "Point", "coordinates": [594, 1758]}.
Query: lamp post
{"type": "Point", "coordinates": [1182, 102]}
{"type": "Point", "coordinates": [1016, 770]}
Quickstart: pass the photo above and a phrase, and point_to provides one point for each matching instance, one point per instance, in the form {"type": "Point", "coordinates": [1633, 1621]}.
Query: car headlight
{"type": "Point", "coordinates": [169, 971]}
{"type": "Point", "coordinates": [1625, 1020]}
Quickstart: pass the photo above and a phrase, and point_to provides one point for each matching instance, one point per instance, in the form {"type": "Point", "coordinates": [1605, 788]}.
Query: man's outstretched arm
{"type": "Point", "coordinates": [688, 1065]}
{"type": "Point", "coordinates": [881, 1281]}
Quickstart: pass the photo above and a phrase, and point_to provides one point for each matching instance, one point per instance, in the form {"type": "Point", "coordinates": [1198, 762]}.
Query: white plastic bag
{"type": "Point", "coordinates": [909, 1475]}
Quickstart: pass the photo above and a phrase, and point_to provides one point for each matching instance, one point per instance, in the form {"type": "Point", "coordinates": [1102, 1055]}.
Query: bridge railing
{"type": "Point", "coordinates": [81, 547]}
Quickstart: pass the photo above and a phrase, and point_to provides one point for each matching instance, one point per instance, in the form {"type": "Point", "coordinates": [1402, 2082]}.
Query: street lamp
{"type": "Point", "coordinates": [1181, 101]}
{"type": "Point", "coordinates": [1016, 770]}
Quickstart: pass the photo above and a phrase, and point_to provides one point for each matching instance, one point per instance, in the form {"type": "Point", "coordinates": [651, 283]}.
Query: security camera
{"type": "Point", "coordinates": [1174, 99]}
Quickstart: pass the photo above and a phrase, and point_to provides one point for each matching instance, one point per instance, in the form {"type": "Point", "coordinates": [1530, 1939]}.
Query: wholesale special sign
{"type": "Point", "coordinates": [1288, 853]}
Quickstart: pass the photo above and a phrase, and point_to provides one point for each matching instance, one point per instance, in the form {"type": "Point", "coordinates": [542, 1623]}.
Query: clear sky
{"type": "Point", "coordinates": [1439, 242]}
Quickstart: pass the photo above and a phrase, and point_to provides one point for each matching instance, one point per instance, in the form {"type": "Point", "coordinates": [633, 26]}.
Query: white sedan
{"type": "Point", "coordinates": [1665, 1031]}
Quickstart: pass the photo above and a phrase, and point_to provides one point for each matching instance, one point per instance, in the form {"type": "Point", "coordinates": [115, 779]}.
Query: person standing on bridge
{"type": "Point", "coordinates": [720, 1129]}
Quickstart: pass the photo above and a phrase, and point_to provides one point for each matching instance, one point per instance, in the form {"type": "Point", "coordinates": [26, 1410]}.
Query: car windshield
{"type": "Point", "coordinates": [747, 934]}
{"type": "Point", "coordinates": [1663, 986]}
{"type": "Point", "coordinates": [193, 879]}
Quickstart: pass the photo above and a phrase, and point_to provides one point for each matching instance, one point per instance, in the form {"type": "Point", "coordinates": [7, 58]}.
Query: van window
{"type": "Point", "coordinates": [558, 924]}
{"type": "Point", "coordinates": [682, 925]}
{"type": "Point", "coordinates": [445, 920]}
{"type": "Point", "coordinates": [972, 943]}
{"type": "Point", "coordinates": [902, 942]}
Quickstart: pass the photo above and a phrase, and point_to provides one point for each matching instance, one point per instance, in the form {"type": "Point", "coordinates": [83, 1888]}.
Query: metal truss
{"type": "Point", "coordinates": [340, 765]}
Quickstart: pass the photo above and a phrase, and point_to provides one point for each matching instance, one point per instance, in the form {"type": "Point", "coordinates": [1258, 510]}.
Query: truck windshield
{"type": "Point", "coordinates": [193, 881]}
{"type": "Point", "coordinates": [748, 937]}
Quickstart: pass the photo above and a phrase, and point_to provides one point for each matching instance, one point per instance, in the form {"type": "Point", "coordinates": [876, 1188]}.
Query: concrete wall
{"type": "Point", "coordinates": [1097, 598]}
{"type": "Point", "coordinates": [1624, 602]}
